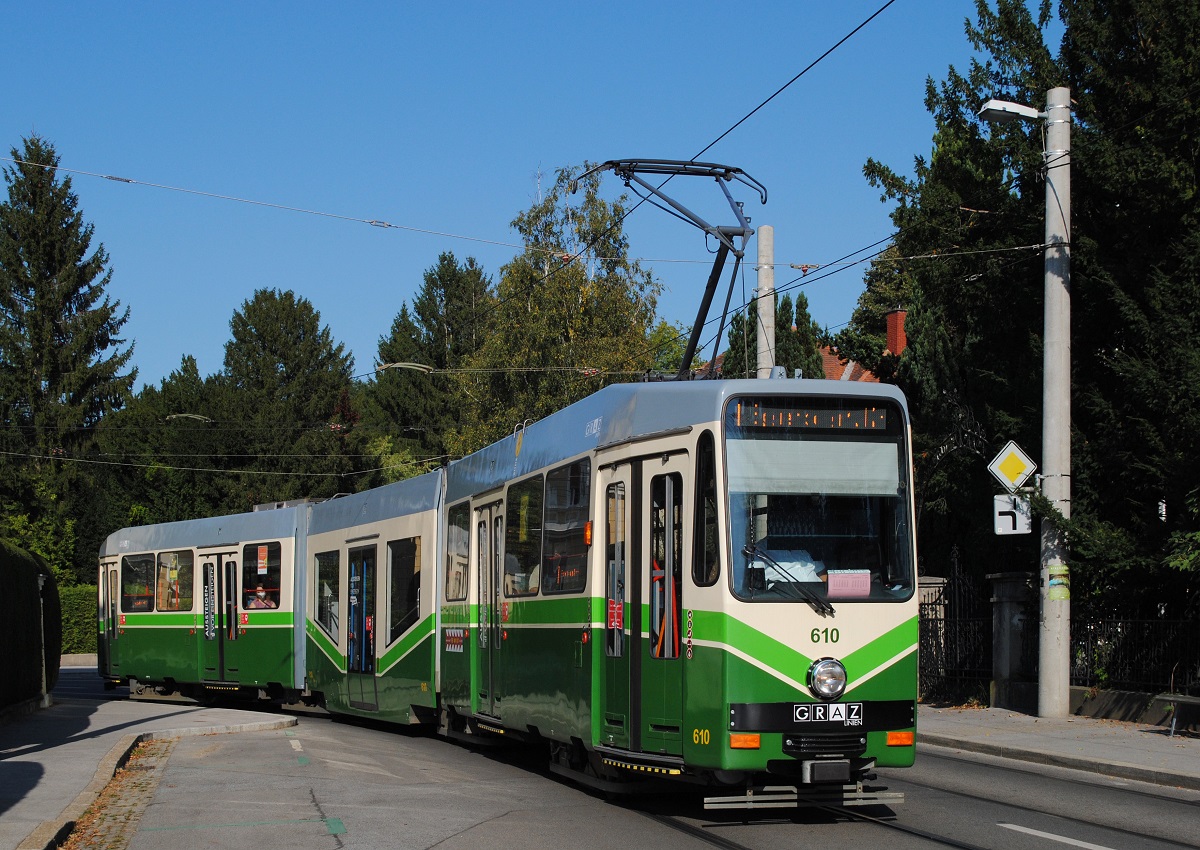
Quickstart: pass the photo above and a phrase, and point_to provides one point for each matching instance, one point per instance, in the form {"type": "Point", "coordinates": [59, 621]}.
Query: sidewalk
{"type": "Point", "coordinates": [54, 762]}
{"type": "Point", "coordinates": [1114, 748]}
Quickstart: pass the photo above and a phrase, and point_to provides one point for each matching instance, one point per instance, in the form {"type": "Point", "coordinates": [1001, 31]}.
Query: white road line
{"type": "Point", "coordinates": [1060, 838]}
{"type": "Point", "coordinates": [296, 745]}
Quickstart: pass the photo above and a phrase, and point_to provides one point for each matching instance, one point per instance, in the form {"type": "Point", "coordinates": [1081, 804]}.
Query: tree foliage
{"type": "Point", "coordinates": [889, 286]}
{"type": "Point", "coordinates": [569, 310]}
{"type": "Point", "coordinates": [798, 340]}
{"type": "Point", "coordinates": [63, 363]}
{"type": "Point", "coordinates": [973, 366]}
{"type": "Point", "coordinates": [285, 391]}
{"type": "Point", "coordinates": [449, 320]}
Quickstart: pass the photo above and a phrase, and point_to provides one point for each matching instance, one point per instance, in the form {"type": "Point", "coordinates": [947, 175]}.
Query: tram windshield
{"type": "Point", "coordinates": [818, 500]}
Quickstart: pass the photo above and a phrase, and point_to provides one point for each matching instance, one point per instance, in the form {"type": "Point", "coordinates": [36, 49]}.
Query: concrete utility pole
{"type": "Point", "coordinates": [766, 300]}
{"type": "Point", "coordinates": [1054, 637]}
{"type": "Point", "coordinates": [1054, 676]}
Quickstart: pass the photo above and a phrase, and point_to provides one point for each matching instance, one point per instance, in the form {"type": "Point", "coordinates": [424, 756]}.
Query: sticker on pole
{"type": "Point", "coordinates": [1012, 466]}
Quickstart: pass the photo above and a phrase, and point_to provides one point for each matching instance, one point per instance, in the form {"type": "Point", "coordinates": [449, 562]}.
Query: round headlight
{"type": "Point", "coordinates": [827, 678]}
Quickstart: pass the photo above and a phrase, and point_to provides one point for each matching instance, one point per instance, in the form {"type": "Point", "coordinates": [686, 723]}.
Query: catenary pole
{"type": "Point", "coordinates": [766, 300]}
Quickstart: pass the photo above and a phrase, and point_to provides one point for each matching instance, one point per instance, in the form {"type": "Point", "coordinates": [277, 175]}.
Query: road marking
{"type": "Point", "coordinates": [296, 745]}
{"type": "Point", "coordinates": [334, 826]}
{"type": "Point", "coordinates": [1060, 838]}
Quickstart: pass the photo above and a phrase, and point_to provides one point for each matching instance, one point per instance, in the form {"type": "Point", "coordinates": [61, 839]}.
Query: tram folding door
{"type": "Point", "coordinates": [662, 541]}
{"type": "Point", "coordinates": [617, 717]}
{"type": "Point", "coordinates": [219, 658]}
{"type": "Point", "coordinates": [109, 658]}
{"type": "Point", "coordinates": [489, 548]}
{"type": "Point", "coordinates": [645, 503]}
{"type": "Point", "coordinates": [362, 684]}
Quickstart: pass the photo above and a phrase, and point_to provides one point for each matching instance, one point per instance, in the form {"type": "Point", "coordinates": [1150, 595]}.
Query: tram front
{"type": "Point", "coordinates": [820, 677]}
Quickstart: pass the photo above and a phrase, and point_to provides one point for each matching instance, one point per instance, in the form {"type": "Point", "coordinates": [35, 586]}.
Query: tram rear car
{"type": "Point", "coordinates": [370, 586]}
{"type": "Point", "coordinates": [204, 606]}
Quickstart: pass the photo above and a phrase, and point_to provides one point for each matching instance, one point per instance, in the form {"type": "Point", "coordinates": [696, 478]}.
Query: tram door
{"type": "Point", "coordinates": [662, 540]}
{"type": "Point", "coordinates": [110, 597]}
{"type": "Point", "coordinates": [218, 649]}
{"type": "Point", "coordinates": [618, 718]}
{"type": "Point", "coordinates": [362, 684]}
{"type": "Point", "coordinates": [489, 548]}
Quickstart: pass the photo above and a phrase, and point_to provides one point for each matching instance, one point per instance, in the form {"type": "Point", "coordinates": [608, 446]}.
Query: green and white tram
{"type": "Point", "coordinates": [709, 582]}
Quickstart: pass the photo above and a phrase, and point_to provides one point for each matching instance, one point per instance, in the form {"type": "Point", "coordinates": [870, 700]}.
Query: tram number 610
{"type": "Point", "coordinates": [701, 736]}
{"type": "Point", "coordinates": [825, 635]}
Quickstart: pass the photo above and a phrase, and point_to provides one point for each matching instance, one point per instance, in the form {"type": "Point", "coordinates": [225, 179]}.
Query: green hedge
{"type": "Point", "coordinates": [26, 624]}
{"type": "Point", "coordinates": [79, 619]}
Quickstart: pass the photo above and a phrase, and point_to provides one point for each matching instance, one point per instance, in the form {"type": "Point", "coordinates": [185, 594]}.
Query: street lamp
{"type": "Point", "coordinates": [1054, 644]}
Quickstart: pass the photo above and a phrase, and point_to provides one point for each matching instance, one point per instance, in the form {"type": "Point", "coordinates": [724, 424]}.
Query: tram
{"type": "Point", "coordinates": [707, 582]}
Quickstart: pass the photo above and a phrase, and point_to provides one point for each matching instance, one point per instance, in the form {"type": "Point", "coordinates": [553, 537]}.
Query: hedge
{"type": "Point", "coordinates": [79, 619]}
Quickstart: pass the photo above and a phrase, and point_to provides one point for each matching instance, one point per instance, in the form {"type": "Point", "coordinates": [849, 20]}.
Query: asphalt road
{"type": "Point", "coordinates": [333, 784]}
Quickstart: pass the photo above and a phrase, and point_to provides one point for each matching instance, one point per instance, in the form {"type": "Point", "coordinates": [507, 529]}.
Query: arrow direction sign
{"type": "Point", "coordinates": [1011, 515]}
{"type": "Point", "coordinates": [1011, 467]}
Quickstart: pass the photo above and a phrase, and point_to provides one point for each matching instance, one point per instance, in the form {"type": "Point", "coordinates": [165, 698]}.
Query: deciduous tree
{"type": "Point", "coordinates": [572, 313]}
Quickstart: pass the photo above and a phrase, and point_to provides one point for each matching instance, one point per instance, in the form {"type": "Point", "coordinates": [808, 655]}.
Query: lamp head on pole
{"type": "Point", "coordinates": [1004, 111]}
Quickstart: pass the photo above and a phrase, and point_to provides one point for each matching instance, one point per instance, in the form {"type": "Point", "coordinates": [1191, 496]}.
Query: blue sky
{"type": "Point", "coordinates": [440, 117]}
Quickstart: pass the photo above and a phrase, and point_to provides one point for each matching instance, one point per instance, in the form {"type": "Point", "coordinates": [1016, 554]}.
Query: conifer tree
{"type": "Point", "coordinates": [445, 327]}
{"type": "Point", "coordinates": [974, 209]}
{"type": "Point", "coordinates": [798, 340]}
{"type": "Point", "coordinates": [63, 363]}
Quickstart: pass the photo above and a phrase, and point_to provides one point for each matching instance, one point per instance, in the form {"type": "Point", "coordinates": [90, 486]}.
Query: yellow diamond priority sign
{"type": "Point", "coordinates": [1012, 466]}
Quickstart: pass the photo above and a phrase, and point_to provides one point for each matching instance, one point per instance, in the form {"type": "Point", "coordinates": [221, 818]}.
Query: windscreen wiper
{"type": "Point", "coordinates": [818, 604]}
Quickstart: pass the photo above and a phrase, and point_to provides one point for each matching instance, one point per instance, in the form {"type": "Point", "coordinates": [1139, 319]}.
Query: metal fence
{"type": "Point", "coordinates": [1151, 656]}
{"type": "Point", "coordinates": [1136, 655]}
{"type": "Point", "coordinates": [956, 635]}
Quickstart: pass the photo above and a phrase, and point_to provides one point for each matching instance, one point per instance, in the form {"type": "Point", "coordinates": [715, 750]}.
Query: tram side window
{"type": "Point", "coordinates": [329, 571]}
{"type": "Point", "coordinates": [523, 538]}
{"type": "Point", "coordinates": [568, 495]}
{"type": "Point", "coordinates": [404, 579]}
{"type": "Point", "coordinates": [666, 570]}
{"type": "Point", "coordinates": [261, 569]}
{"type": "Point", "coordinates": [137, 583]}
{"type": "Point", "coordinates": [175, 581]}
{"type": "Point", "coordinates": [706, 566]}
{"type": "Point", "coordinates": [458, 537]}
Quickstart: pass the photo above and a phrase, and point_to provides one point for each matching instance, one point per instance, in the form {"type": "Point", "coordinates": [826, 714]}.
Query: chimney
{"type": "Point", "coordinates": [897, 340]}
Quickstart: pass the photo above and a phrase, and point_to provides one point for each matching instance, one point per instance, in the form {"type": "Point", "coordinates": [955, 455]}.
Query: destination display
{"type": "Point", "coordinates": [764, 414]}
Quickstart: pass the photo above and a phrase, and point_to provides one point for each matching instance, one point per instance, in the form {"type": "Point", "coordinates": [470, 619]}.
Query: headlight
{"type": "Point", "coordinates": [827, 678]}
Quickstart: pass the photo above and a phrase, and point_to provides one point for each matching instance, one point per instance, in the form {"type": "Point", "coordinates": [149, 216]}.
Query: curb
{"type": "Point", "coordinates": [52, 834]}
{"type": "Point", "coordinates": [25, 708]}
{"type": "Point", "coordinates": [1116, 769]}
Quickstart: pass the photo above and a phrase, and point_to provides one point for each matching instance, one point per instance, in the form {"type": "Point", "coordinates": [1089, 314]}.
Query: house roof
{"type": "Point", "coordinates": [840, 369]}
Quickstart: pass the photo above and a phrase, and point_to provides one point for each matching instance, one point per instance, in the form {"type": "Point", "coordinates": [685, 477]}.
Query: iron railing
{"type": "Point", "coordinates": [1136, 655]}
{"type": "Point", "coordinates": [1149, 655]}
